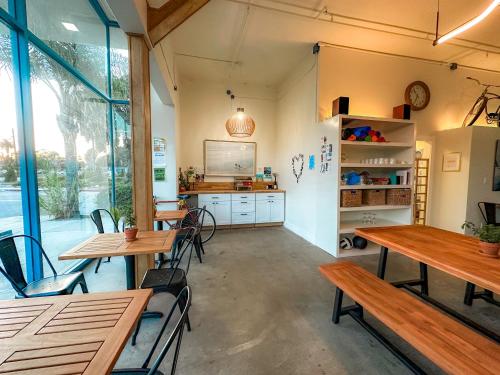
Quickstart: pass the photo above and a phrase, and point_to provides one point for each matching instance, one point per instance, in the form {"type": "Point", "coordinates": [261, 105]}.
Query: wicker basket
{"type": "Point", "coordinates": [399, 197]}
{"type": "Point", "coordinates": [351, 198]}
{"type": "Point", "coordinates": [373, 197]}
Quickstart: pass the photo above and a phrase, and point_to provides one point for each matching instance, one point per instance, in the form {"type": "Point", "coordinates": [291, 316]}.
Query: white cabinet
{"type": "Point", "coordinates": [243, 208]}
{"type": "Point", "coordinates": [270, 208]}
{"type": "Point", "coordinates": [223, 213]}
{"type": "Point", "coordinates": [277, 211]}
{"type": "Point", "coordinates": [218, 205]}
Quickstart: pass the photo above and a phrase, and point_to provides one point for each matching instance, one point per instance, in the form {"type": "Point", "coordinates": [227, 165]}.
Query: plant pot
{"type": "Point", "coordinates": [489, 249]}
{"type": "Point", "coordinates": [131, 234]}
{"type": "Point", "coordinates": [182, 189]}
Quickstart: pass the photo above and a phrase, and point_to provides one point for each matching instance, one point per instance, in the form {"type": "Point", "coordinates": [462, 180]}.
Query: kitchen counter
{"type": "Point", "coordinates": [226, 191]}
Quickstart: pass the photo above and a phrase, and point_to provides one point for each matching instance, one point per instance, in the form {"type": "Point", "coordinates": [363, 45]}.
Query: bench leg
{"type": "Point", "coordinates": [382, 262]}
{"type": "Point", "coordinates": [424, 278]}
{"type": "Point", "coordinates": [337, 305]}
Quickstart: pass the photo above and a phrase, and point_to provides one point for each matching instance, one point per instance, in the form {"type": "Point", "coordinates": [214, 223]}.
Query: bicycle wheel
{"type": "Point", "coordinates": [208, 226]}
{"type": "Point", "coordinates": [475, 111]}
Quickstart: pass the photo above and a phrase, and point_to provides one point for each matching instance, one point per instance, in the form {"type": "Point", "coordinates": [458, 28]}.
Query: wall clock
{"type": "Point", "coordinates": [418, 95]}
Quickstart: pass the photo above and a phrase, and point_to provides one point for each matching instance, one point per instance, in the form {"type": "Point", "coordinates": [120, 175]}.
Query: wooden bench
{"type": "Point", "coordinates": [450, 345]}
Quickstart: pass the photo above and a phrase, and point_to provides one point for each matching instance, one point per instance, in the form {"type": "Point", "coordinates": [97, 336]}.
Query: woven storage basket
{"type": "Point", "coordinates": [373, 197]}
{"type": "Point", "coordinates": [399, 197]}
{"type": "Point", "coordinates": [351, 198]}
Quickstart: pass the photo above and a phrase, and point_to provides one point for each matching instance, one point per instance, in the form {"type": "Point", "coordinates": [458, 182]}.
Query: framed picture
{"type": "Point", "coordinates": [496, 168]}
{"type": "Point", "coordinates": [229, 158]}
{"type": "Point", "coordinates": [452, 161]}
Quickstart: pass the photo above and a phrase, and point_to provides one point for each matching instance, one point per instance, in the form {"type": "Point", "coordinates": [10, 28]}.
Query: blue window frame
{"type": "Point", "coordinates": [13, 14]}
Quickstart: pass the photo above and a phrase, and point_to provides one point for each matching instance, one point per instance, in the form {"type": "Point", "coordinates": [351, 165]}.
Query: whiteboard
{"type": "Point", "coordinates": [228, 158]}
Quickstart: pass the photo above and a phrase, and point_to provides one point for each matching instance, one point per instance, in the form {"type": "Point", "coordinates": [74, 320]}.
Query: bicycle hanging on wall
{"type": "Point", "coordinates": [482, 105]}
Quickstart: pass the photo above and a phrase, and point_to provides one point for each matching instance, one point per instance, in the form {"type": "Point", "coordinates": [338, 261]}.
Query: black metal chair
{"type": "Point", "coordinates": [489, 213]}
{"type": "Point", "coordinates": [183, 300]}
{"type": "Point", "coordinates": [49, 286]}
{"type": "Point", "coordinates": [97, 219]}
{"type": "Point", "coordinates": [172, 279]}
{"type": "Point", "coordinates": [193, 219]}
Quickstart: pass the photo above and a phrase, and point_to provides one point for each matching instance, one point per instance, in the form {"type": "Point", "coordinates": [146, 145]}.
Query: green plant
{"type": "Point", "coordinates": [183, 181]}
{"type": "Point", "coordinates": [486, 233]}
{"type": "Point", "coordinates": [116, 214]}
{"type": "Point", "coordinates": [130, 219]}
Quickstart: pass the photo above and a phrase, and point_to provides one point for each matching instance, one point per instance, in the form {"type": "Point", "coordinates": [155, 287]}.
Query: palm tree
{"type": "Point", "coordinates": [80, 110]}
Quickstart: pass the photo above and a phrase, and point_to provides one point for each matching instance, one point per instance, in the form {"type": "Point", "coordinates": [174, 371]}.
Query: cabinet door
{"type": "Point", "coordinates": [222, 213]}
{"type": "Point", "coordinates": [262, 211]}
{"type": "Point", "coordinates": [277, 208]}
{"type": "Point", "coordinates": [210, 207]}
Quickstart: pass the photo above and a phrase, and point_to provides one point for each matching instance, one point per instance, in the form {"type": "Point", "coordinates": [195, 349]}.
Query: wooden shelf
{"type": "Point", "coordinates": [376, 187]}
{"type": "Point", "coordinates": [376, 144]}
{"type": "Point", "coordinates": [347, 227]}
{"type": "Point", "coordinates": [364, 165]}
{"type": "Point", "coordinates": [374, 208]}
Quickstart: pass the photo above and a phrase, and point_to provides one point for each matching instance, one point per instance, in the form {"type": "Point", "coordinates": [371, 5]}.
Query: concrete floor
{"type": "Point", "coordinates": [260, 306]}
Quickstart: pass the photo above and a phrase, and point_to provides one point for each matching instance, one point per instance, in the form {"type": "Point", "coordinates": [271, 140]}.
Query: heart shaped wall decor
{"type": "Point", "coordinates": [297, 166]}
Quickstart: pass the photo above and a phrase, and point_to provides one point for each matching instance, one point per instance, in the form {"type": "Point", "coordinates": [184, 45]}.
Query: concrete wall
{"type": "Point", "coordinates": [204, 109]}
{"type": "Point", "coordinates": [376, 83]}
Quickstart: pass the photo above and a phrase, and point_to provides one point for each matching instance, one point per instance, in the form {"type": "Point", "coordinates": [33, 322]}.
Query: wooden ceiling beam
{"type": "Point", "coordinates": [163, 20]}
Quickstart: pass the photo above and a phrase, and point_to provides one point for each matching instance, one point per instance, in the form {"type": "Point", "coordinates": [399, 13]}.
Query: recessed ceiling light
{"type": "Point", "coordinates": [70, 26]}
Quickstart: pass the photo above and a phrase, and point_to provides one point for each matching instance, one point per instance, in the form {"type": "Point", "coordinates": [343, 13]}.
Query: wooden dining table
{"type": "Point", "coordinates": [169, 215]}
{"type": "Point", "coordinates": [453, 253]}
{"type": "Point", "coordinates": [71, 334]}
{"type": "Point", "coordinates": [114, 244]}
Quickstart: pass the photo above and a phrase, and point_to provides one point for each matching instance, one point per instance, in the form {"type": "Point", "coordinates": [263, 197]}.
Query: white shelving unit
{"type": "Point", "coordinates": [336, 222]}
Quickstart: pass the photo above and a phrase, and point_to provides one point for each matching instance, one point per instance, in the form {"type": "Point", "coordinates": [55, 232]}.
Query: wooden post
{"type": "Point", "coordinates": [140, 106]}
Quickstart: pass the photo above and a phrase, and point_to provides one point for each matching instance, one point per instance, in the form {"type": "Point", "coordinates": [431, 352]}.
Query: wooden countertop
{"type": "Point", "coordinates": [226, 191]}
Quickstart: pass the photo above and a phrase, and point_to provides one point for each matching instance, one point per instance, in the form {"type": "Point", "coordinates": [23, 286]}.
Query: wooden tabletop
{"type": "Point", "coordinates": [453, 253]}
{"type": "Point", "coordinates": [74, 334]}
{"type": "Point", "coordinates": [170, 215]}
{"type": "Point", "coordinates": [114, 244]}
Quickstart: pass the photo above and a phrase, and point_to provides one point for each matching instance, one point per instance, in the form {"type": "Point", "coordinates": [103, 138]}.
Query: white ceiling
{"type": "Point", "coordinates": [268, 38]}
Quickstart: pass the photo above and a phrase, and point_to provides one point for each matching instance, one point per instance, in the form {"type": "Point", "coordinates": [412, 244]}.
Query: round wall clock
{"type": "Point", "coordinates": [417, 94]}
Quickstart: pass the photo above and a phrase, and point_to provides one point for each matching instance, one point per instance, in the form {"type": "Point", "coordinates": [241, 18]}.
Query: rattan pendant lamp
{"type": "Point", "coordinates": [240, 124]}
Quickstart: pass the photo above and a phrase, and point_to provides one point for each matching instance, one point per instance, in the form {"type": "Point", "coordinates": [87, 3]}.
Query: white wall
{"type": "Point", "coordinates": [296, 127]}
{"type": "Point", "coordinates": [450, 189]}
{"type": "Point", "coordinates": [163, 126]}
{"type": "Point", "coordinates": [456, 194]}
{"type": "Point", "coordinates": [483, 145]}
{"type": "Point", "coordinates": [204, 109]}
{"type": "Point", "coordinates": [376, 83]}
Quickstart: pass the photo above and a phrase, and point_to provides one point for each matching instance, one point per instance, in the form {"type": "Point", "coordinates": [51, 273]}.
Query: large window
{"type": "Point", "coordinates": [74, 31]}
{"type": "Point", "coordinates": [65, 124]}
{"type": "Point", "coordinates": [72, 151]}
{"type": "Point", "coordinates": [11, 212]}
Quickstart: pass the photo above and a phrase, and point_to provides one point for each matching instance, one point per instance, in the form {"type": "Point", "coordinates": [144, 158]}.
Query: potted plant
{"type": "Point", "coordinates": [183, 182]}
{"type": "Point", "coordinates": [489, 238]}
{"type": "Point", "coordinates": [130, 228]}
{"type": "Point", "coordinates": [115, 214]}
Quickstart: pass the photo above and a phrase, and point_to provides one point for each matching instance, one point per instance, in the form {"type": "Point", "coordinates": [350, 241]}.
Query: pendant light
{"type": "Point", "coordinates": [240, 124]}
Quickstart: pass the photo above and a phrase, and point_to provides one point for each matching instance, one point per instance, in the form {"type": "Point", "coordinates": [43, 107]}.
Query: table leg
{"type": "Point", "coordinates": [130, 271]}
{"type": "Point", "coordinates": [382, 262]}
{"type": "Point", "coordinates": [424, 278]}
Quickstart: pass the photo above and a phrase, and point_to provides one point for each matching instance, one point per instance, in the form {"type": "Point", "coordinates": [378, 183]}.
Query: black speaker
{"type": "Point", "coordinates": [340, 106]}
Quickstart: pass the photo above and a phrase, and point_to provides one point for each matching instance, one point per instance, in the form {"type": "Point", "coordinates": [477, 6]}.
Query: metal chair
{"type": "Point", "coordinates": [193, 219]}
{"type": "Point", "coordinates": [489, 213]}
{"type": "Point", "coordinates": [183, 300]}
{"type": "Point", "coordinates": [49, 286]}
{"type": "Point", "coordinates": [97, 219]}
{"type": "Point", "coordinates": [172, 279]}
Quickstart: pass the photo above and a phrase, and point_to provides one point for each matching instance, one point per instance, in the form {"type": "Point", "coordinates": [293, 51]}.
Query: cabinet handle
{"type": "Point", "coordinates": [243, 202]}
{"type": "Point", "coordinates": [244, 214]}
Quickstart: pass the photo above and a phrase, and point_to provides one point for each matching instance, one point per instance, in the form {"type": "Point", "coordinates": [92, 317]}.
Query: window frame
{"type": "Point", "coordinates": [16, 21]}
